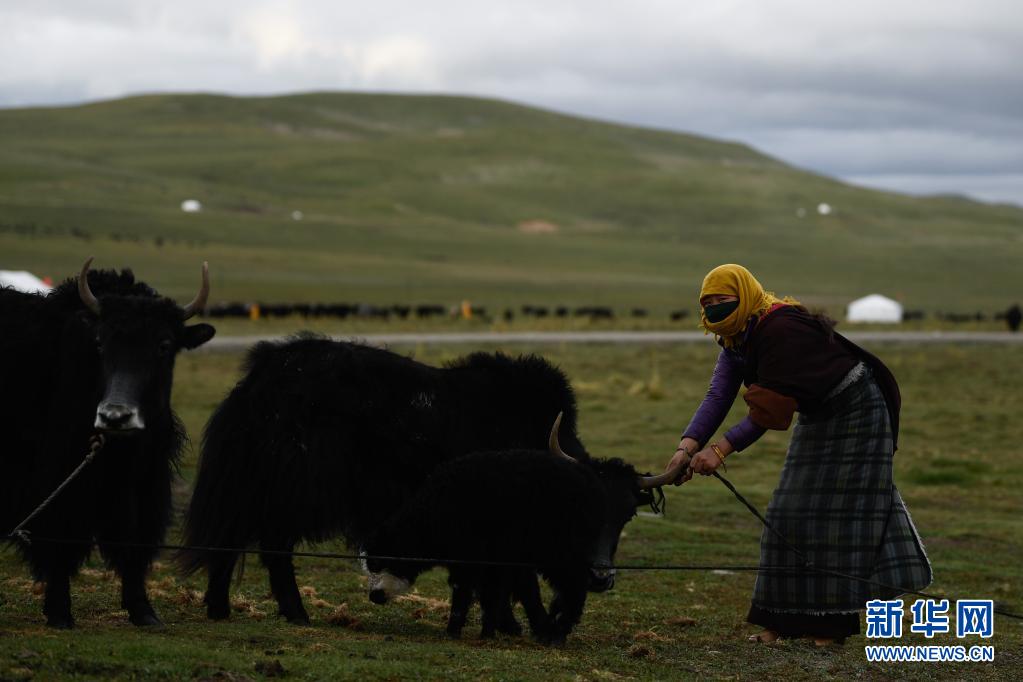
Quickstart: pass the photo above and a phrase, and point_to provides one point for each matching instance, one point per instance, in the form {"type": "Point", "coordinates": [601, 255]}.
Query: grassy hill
{"type": "Point", "coordinates": [423, 198]}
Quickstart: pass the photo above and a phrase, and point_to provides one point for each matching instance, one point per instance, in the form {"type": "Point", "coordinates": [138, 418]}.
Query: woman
{"type": "Point", "coordinates": [835, 502]}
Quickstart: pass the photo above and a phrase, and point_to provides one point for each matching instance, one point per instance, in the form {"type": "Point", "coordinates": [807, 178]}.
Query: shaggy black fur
{"type": "Point", "coordinates": [56, 358]}
{"type": "Point", "coordinates": [524, 507]}
{"type": "Point", "coordinates": [322, 438]}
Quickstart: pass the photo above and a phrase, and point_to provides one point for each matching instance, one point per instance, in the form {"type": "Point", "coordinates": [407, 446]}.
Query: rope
{"type": "Point", "coordinates": [838, 574]}
{"type": "Point", "coordinates": [19, 533]}
{"type": "Point", "coordinates": [478, 562]}
{"type": "Point", "coordinates": [768, 526]}
{"type": "Point", "coordinates": [382, 557]}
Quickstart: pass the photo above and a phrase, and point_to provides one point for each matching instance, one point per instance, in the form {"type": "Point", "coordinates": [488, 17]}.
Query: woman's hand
{"type": "Point", "coordinates": [686, 447]}
{"type": "Point", "coordinates": [707, 461]}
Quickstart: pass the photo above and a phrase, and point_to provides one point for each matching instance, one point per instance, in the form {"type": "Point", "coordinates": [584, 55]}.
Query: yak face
{"type": "Point", "coordinates": [622, 491]}
{"type": "Point", "coordinates": [621, 497]}
{"type": "Point", "coordinates": [137, 339]}
{"type": "Point", "coordinates": [390, 578]}
{"type": "Point", "coordinates": [383, 587]}
{"type": "Point", "coordinates": [137, 334]}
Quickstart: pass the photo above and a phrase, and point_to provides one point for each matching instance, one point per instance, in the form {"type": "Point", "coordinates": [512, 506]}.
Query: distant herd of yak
{"type": "Point", "coordinates": [424, 311]}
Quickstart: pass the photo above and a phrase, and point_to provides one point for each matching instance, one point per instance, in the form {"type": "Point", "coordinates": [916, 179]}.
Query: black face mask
{"type": "Point", "coordinates": [719, 311]}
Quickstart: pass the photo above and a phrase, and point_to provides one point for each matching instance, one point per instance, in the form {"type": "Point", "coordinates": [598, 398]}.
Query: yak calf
{"type": "Point", "coordinates": [495, 519]}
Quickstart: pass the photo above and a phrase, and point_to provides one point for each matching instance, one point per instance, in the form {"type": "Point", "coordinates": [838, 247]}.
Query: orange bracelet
{"type": "Point", "coordinates": [717, 451]}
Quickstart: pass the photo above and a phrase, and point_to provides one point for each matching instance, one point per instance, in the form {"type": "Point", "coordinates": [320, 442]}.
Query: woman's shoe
{"type": "Point", "coordinates": [765, 637]}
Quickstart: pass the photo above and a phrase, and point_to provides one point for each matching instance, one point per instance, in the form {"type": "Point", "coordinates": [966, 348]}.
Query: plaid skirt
{"type": "Point", "coordinates": [836, 503]}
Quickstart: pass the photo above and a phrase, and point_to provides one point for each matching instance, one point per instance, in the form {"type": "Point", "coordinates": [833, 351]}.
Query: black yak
{"type": "Point", "coordinates": [529, 510]}
{"type": "Point", "coordinates": [96, 355]}
{"type": "Point", "coordinates": [1013, 316]}
{"type": "Point", "coordinates": [324, 438]}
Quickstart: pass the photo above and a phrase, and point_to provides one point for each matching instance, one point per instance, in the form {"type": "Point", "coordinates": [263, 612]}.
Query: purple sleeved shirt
{"type": "Point", "coordinates": [724, 387]}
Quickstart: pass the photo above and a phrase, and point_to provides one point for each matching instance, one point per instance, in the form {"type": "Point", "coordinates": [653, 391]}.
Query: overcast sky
{"type": "Point", "coordinates": [922, 96]}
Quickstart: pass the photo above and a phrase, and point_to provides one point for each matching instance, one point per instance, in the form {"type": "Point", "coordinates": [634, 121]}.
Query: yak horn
{"type": "Point", "coordinates": [552, 442]}
{"type": "Point", "coordinates": [84, 292]}
{"type": "Point", "coordinates": [199, 302]}
{"type": "Point", "coordinates": [647, 482]}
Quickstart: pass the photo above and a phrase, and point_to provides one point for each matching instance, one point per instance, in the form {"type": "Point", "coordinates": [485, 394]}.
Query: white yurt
{"type": "Point", "coordinates": [874, 308]}
{"type": "Point", "coordinates": [23, 281]}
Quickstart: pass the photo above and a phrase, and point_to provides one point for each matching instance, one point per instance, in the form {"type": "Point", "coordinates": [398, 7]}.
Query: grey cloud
{"type": "Point", "coordinates": [895, 151]}
{"type": "Point", "coordinates": [872, 88]}
{"type": "Point", "coordinates": [998, 188]}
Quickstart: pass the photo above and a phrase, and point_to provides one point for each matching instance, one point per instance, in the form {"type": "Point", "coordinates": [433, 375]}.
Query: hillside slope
{"type": "Point", "coordinates": [411, 198]}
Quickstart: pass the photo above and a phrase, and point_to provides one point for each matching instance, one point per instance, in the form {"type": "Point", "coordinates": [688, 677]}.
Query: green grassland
{"type": "Point", "coordinates": [420, 198]}
{"type": "Point", "coordinates": [960, 469]}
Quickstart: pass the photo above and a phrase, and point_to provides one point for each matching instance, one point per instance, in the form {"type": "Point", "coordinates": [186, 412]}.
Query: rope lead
{"type": "Point", "coordinates": [23, 536]}
{"type": "Point", "coordinates": [838, 574]}
{"type": "Point", "coordinates": [98, 441]}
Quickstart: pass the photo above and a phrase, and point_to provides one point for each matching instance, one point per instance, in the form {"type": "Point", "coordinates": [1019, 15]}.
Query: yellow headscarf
{"type": "Point", "coordinates": [735, 280]}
